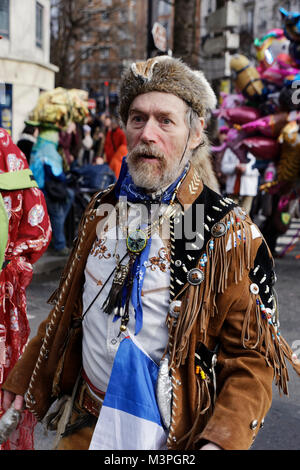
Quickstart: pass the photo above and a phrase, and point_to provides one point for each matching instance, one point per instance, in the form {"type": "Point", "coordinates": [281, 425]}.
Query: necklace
{"type": "Point", "coordinates": [136, 242]}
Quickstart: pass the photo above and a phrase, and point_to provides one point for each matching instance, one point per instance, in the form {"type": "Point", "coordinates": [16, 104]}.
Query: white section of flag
{"type": "Point", "coordinates": [130, 417]}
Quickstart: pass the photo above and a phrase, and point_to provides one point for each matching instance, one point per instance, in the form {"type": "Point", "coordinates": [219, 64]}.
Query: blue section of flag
{"type": "Point", "coordinates": [139, 269]}
{"type": "Point", "coordinates": [132, 383]}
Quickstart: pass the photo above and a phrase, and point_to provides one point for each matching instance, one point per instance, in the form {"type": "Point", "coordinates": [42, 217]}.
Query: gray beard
{"type": "Point", "coordinates": [142, 172]}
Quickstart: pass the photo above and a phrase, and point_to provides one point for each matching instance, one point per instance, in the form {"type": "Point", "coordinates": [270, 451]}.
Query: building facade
{"type": "Point", "coordinates": [118, 33]}
{"type": "Point", "coordinates": [267, 16]}
{"type": "Point", "coordinates": [25, 68]}
{"type": "Point", "coordinates": [113, 40]}
{"type": "Point", "coordinates": [232, 27]}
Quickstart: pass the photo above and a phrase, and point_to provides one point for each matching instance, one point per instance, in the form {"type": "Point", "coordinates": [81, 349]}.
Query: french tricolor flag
{"type": "Point", "coordinates": [130, 417]}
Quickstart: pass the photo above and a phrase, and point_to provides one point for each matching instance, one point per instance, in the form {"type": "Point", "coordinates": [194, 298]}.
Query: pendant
{"type": "Point", "coordinates": [136, 241]}
{"type": "Point", "coordinates": [114, 297]}
{"type": "Point", "coordinates": [121, 274]}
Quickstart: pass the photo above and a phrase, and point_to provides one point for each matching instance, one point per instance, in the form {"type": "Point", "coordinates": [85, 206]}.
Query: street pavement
{"type": "Point", "coordinates": [281, 430]}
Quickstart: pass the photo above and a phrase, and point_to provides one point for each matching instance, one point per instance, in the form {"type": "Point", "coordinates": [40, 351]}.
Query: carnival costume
{"type": "Point", "coordinates": [26, 228]}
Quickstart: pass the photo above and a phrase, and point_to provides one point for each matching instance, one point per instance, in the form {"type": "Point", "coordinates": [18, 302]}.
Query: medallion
{"type": "Point", "coordinates": [218, 230]}
{"type": "Point", "coordinates": [195, 276]}
{"type": "Point", "coordinates": [136, 241]}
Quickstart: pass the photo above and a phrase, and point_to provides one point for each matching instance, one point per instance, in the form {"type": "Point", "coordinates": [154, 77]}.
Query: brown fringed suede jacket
{"type": "Point", "coordinates": [224, 346]}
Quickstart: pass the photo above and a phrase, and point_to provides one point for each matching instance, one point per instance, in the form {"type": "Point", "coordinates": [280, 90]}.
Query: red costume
{"type": "Point", "coordinates": [28, 238]}
{"type": "Point", "coordinates": [115, 148]}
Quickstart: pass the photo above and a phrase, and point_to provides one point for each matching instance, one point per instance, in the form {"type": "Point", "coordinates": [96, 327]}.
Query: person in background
{"type": "Point", "coordinates": [69, 143]}
{"type": "Point", "coordinates": [48, 169]}
{"type": "Point", "coordinates": [94, 121]}
{"type": "Point", "coordinates": [98, 142]}
{"type": "Point", "coordinates": [100, 128]}
{"type": "Point", "coordinates": [241, 178]}
{"type": "Point", "coordinates": [105, 123]}
{"type": "Point", "coordinates": [28, 233]}
{"type": "Point", "coordinates": [217, 153]}
{"type": "Point", "coordinates": [28, 139]}
{"type": "Point", "coordinates": [86, 152]}
{"type": "Point", "coordinates": [115, 146]}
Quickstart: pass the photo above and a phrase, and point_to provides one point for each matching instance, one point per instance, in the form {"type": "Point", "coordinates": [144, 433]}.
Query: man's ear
{"type": "Point", "coordinates": [196, 137]}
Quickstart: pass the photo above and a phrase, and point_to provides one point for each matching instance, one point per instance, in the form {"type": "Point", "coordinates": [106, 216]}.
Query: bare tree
{"type": "Point", "coordinates": [91, 39]}
{"type": "Point", "coordinates": [187, 31]}
{"type": "Point", "coordinates": [71, 20]}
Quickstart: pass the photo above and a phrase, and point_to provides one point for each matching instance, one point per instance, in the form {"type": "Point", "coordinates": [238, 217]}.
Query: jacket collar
{"type": "Point", "coordinates": [191, 187]}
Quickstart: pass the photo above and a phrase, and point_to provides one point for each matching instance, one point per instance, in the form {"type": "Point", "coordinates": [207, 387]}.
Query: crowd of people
{"type": "Point", "coordinates": [25, 233]}
{"type": "Point", "coordinates": [87, 157]}
{"type": "Point", "coordinates": [70, 162]}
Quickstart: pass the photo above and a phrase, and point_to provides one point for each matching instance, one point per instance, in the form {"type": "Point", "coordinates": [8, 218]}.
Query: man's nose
{"type": "Point", "coordinates": [149, 132]}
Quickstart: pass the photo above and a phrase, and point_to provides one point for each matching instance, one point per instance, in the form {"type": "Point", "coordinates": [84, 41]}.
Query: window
{"type": "Point", "coordinates": [6, 107]}
{"type": "Point", "coordinates": [123, 16]}
{"type": "Point", "coordinates": [85, 52]}
{"type": "Point", "coordinates": [250, 19]}
{"type": "Point", "coordinates": [262, 14]}
{"type": "Point", "coordinates": [105, 16]}
{"type": "Point", "coordinates": [104, 52]}
{"type": "Point", "coordinates": [163, 8]}
{"type": "Point", "coordinates": [124, 51]}
{"type": "Point", "coordinates": [4, 18]}
{"type": "Point", "coordinates": [39, 16]}
{"type": "Point", "coordinates": [103, 69]}
{"type": "Point", "coordinates": [85, 69]}
{"type": "Point", "coordinates": [287, 5]}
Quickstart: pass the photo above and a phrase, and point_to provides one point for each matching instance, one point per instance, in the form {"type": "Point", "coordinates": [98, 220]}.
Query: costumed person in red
{"type": "Point", "coordinates": [115, 146]}
{"type": "Point", "coordinates": [25, 235]}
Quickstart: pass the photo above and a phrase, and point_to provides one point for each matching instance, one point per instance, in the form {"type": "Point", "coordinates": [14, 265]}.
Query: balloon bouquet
{"type": "Point", "coordinates": [263, 117]}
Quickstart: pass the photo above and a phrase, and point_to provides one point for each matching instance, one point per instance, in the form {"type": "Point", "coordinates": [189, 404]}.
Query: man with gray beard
{"type": "Point", "coordinates": [164, 331]}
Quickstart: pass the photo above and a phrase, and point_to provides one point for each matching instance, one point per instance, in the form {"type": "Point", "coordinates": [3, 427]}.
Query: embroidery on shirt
{"type": "Point", "coordinates": [100, 249]}
{"type": "Point", "coordinates": [162, 261]}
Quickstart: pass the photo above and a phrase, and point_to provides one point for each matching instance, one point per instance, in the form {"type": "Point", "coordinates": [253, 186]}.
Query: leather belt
{"type": "Point", "coordinates": [86, 400]}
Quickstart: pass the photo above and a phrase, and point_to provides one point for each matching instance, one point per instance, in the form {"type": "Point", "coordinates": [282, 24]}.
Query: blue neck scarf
{"type": "Point", "coordinates": [125, 187]}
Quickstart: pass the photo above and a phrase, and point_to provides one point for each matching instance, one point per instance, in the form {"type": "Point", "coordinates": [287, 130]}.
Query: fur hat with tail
{"type": "Point", "coordinates": [170, 75]}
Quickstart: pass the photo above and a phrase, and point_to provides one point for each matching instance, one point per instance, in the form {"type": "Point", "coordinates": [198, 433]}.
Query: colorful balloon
{"type": "Point", "coordinates": [270, 47]}
{"type": "Point", "coordinates": [263, 148]}
{"type": "Point", "coordinates": [240, 115]}
{"type": "Point", "coordinates": [270, 126]}
{"type": "Point", "coordinates": [247, 78]}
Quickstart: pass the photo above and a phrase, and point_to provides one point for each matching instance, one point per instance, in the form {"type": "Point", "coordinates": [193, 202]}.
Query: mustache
{"type": "Point", "coordinates": [145, 150]}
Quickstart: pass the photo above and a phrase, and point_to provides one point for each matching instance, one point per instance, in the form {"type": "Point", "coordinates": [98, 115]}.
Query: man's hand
{"type": "Point", "coordinates": [211, 446]}
{"type": "Point", "coordinates": [9, 398]}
